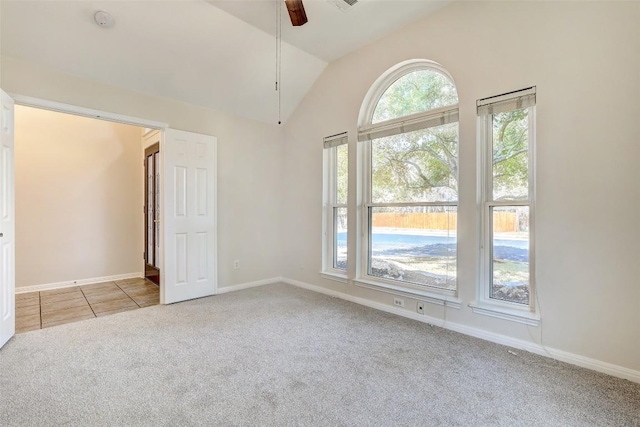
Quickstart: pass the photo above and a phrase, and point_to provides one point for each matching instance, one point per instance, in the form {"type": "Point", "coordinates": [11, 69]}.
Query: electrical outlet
{"type": "Point", "coordinates": [420, 308]}
{"type": "Point", "coordinates": [236, 264]}
{"type": "Point", "coordinates": [398, 302]}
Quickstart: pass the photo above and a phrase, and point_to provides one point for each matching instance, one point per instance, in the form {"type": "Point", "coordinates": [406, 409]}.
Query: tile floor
{"type": "Point", "coordinates": [36, 310]}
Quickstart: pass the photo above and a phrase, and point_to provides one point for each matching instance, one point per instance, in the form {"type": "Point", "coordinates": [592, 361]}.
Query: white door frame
{"type": "Point", "coordinates": [102, 115]}
{"type": "Point", "coordinates": [7, 221]}
{"type": "Point", "coordinates": [60, 107]}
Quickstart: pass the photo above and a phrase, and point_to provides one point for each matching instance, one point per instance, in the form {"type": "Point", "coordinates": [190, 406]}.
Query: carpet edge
{"type": "Point", "coordinates": [556, 354]}
{"type": "Point", "coordinates": [241, 286]}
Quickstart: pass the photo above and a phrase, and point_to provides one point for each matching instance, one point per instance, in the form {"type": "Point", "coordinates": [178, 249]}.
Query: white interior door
{"type": "Point", "coordinates": [189, 242]}
{"type": "Point", "coordinates": [7, 222]}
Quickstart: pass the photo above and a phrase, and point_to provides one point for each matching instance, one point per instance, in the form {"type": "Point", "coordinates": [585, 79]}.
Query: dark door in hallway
{"type": "Point", "coordinates": [152, 213]}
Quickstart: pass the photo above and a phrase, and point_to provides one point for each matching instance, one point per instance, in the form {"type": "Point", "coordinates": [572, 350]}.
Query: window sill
{"type": "Point", "coordinates": [337, 277]}
{"type": "Point", "coordinates": [506, 313]}
{"type": "Point", "coordinates": [426, 296]}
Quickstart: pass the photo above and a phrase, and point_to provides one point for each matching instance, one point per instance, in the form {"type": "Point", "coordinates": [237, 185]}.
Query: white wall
{"type": "Point", "coordinates": [584, 59]}
{"type": "Point", "coordinates": [77, 212]}
{"type": "Point", "coordinates": [249, 161]}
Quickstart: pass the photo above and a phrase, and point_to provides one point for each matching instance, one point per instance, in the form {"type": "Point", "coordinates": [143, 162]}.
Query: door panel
{"type": "Point", "coordinates": [156, 216]}
{"type": "Point", "coordinates": [7, 221]}
{"type": "Point", "coordinates": [152, 213]}
{"type": "Point", "coordinates": [190, 235]}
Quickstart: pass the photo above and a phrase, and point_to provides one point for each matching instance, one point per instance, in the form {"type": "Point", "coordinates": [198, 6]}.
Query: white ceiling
{"type": "Point", "coordinates": [331, 32]}
{"type": "Point", "coordinates": [216, 54]}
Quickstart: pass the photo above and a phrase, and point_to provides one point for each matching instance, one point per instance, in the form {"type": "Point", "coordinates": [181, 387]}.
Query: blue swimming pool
{"type": "Point", "coordinates": [416, 245]}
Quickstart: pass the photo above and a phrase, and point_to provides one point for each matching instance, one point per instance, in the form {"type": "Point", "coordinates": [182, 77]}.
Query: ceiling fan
{"type": "Point", "coordinates": [296, 12]}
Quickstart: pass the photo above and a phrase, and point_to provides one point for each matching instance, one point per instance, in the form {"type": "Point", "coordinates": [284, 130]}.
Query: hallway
{"type": "Point", "coordinates": [38, 310]}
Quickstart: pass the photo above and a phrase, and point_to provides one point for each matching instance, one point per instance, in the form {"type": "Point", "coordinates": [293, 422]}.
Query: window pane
{"type": "Point", "coordinates": [413, 93]}
{"type": "Point", "coordinates": [510, 156]}
{"type": "Point", "coordinates": [340, 238]}
{"type": "Point", "coordinates": [415, 245]}
{"type": "Point", "coordinates": [419, 166]}
{"type": "Point", "coordinates": [342, 170]}
{"type": "Point", "coordinates": [510, 254]}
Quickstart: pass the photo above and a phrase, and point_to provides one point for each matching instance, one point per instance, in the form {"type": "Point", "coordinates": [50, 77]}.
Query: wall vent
{"type": "Point", "coordinates": [343, 5]}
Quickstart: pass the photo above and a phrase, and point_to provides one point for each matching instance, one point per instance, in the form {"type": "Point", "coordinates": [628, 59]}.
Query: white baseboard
{"type": "Point", "coordinates": [80, 282]}
{"type": "Point", "coordinates": [563, 356]}
{"type": "Point", "coordinates": [233, 288]}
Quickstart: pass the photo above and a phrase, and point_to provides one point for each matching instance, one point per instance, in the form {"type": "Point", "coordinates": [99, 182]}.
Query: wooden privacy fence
{"type": "Point", "coordinates": [505, 222]}
{"type": "Point", "coordinates": [502, 221]}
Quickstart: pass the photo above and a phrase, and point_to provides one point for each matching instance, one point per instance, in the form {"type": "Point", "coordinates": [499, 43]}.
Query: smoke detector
{"type": "Point", "coordinates": [104, 19]}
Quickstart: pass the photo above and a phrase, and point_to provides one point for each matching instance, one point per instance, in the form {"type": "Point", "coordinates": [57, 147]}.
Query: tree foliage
{"type": "Point", "coordinates": [510, 155]}
{"type": "Point", "coordinates": [416, 166]}
{"type": "Point", "coordinates": [422, 166]}
{"type": "Point", "coordinates": [342, 173]}
{"type": "Point", "coordinates": [413, 93]}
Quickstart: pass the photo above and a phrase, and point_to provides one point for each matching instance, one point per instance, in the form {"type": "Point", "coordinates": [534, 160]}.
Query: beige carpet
{"type": "Point", "coordinates": [278, 355]}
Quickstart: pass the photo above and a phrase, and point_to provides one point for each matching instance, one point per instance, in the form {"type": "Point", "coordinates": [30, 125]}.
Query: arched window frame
{"type": "Point", "coordinates": [440, 296]}
{"type": "Point", "coordinates": [380, 86]}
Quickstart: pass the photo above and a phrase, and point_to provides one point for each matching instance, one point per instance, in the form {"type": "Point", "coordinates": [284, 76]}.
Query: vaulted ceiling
{"type": "Point", "coordinates": [216, 54]}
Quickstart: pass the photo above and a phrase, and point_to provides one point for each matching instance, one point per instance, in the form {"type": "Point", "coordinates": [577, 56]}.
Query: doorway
{"type": "Point", "coordinates": [152, 213]}
{"type": "Point", "coordinates": [188, 233]}
{"type": "Point", "coordinates": [79, 189]}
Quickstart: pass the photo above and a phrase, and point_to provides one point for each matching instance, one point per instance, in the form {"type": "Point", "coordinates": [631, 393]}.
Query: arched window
{"type": "Point", "coordinates": [417, 92]}
{"type": "Point", "coordinates": [409, 131]}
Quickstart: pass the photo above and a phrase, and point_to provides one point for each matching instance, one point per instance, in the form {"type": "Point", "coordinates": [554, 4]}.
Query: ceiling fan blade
{"type": "Point", "coordinates": [296, 12]}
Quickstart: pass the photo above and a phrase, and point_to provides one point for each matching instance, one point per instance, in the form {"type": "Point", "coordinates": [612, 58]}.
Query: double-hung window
{"type": "Point", "coordinates": [507, 196]}
{"type": "Point", "coordinates": [409, 180]}
{"type": "Point", "coordinates": [336, 166]}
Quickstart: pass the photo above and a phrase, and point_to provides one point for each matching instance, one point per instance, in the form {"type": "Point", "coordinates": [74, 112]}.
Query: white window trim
{"type": "Point", "coordinates": [336, 277]}
{"type": "Point", "coordinates": [506, 312]}
{"type": "Point", "coordinates": [383, 82]}
{"type": "Point", "coordinates": [413, 122]}
{"type": "Point", "coordinates": [449, 114]}
{"type": "Point", "coordinates": [432, 297]}
{"type": "Point", "coordinates": [484, 304]}
{"type": "Point", "coordinates": [329, 196]}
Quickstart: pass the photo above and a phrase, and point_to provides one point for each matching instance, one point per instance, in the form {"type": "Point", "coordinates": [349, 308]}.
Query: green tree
{"type": "Point", "coordinates": [413, 93]}
{"type": "Point", "coordinates": [423, 165]}
{"type": "Point", "coordinates": [342, 173]}
{"type": "Point", "coordinates": [420, 165]}
{"type": "Point", "coordinates": [416, 166]}
{"type": "Point", "coordinates": [510, 155]}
